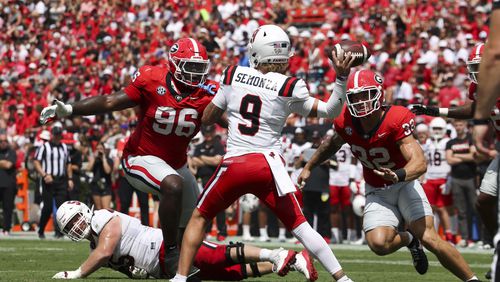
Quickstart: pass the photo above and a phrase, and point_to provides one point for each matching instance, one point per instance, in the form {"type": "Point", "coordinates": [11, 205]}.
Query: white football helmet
{"type": "Point", "coordinates": [358, 205]}
{"type": "Point", "coordinates": [73, 218]}
{"type": "Point", "coordinates": [437, 128]}
{"type": "Point", "coordinates": [269, 44]}
{"type": "Point", "coordinates": [249, 203]}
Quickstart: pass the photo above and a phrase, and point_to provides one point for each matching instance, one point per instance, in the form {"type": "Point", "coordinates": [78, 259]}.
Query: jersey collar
{"type": "Point", "coordinates": [367, 135]}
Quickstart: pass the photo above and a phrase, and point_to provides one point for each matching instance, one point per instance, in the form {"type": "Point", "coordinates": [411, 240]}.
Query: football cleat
{"type": "Point", "coordinates": [304, 264]}
{"type": "Point", "coordinates": [420, 261]}
{"type": "Point", "coordinates": [282, 260]}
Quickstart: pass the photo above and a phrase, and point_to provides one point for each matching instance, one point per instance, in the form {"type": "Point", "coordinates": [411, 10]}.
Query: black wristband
{"type": "Point", "coordinates": [481, 121]}
{"type": "Point", "coordinates": [401, 174]}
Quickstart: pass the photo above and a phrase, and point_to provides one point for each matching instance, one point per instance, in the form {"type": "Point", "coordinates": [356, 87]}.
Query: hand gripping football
{"type": "Point", "coordinates": [358, 50]}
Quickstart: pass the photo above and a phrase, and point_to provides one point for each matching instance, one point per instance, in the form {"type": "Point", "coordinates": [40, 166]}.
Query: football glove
{"type": "Point", "coordinates": [419, 109]}
{"type": "Point", "coordinates": [59, 109]}
{"type": "Point", "coordinates": [137, 273]}
{"type": "Point", "coordinates": [354, 187]}
{"type": "Point", "coordinates": [68, 274]}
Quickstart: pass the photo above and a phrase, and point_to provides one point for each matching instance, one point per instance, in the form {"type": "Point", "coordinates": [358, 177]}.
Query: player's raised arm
{"type": "Point", "coordinates": [312, 107]}
{"type": "Point", "coordinates": [329, 147]}
{"type": "Point", "coordinates": [214, 112]}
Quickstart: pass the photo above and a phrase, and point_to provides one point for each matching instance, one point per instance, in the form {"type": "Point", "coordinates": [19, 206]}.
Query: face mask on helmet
{"type": "Point", "coordinates": [74, 220]}
{"type": "Point", "coordinates": [364, 102]}
{"type": "Point", "coordinates": [190, 71]}
{"type": "Point", "coordinates": [438, 132]}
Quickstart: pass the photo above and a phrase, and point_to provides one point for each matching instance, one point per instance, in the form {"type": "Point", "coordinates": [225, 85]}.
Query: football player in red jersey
{"type": "Point", "coordinates": [487, 199]}
{"type": "Point", "coordinates": [381, 139]}
{"type": "Point", "coordinates": [171, 101]}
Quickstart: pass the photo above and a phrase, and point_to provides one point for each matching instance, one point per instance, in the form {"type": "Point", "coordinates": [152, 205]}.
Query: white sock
{"type": "Point", "coordinates": [409, 236]}
{"type": "Point", "coordinates": [363, 235]}
{"type": "Point", "coordinates": [351, 234]}
{"type": "Point", "coordinates": [436, 221]}
{"type": "Point", "coordinates": [265, 254]}
{"type": "Point", "coordinates": [454, 224]}
{"type": "Point", "coordinates": [263, 232]}
{"type": "Point", "coordinates": [179, 278]}
{"type": "Point", "coordinates": [315, 244]}
{"type": "Point", "coordinates": [472, 278]}
{"type": "Point", "coordinates": [335, 234]}
{"type": "Point", "coordinates": [246, 230]}
{"type": "Point", "coordinates": [344, 279]}
{"type": "Point", "coordinates": [282, 232]}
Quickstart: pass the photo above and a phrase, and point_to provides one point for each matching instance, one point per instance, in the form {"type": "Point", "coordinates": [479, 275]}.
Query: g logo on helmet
{"type": "Point", "coordinates": [174, 48]}
{"type": "Point", "coordinates": [378, 79]}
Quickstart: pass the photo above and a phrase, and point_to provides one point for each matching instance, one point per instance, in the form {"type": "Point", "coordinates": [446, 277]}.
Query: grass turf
{"type": "Point", "coordinates": [34, 260]}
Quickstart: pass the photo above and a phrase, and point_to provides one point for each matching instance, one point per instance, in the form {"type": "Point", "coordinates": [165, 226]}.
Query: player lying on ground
{"type": "Point", "coordinates": [381, 139]}
{"type": "Point", "coordinates": [171, 100]}
{"type": "Point", "coordinates": [122, 243]}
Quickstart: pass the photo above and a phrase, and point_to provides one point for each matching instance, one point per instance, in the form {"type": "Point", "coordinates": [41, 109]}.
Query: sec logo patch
{"type": "Point", "coordinates": [161, 90]}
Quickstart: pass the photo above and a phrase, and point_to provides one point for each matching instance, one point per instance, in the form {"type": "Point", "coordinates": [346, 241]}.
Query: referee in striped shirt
{"type": "Point", "coordinates": [52, 162]}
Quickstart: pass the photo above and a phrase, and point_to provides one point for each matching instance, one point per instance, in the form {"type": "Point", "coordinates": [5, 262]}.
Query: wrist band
{"type": "Point", "coordinates": [481, 121]}
{"type": "Point", "coordinates": [401, 174]}
{"type": "Point", "coordinates": [443, 112]}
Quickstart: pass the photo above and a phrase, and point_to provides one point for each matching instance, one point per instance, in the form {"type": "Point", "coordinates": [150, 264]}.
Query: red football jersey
{"type": "Point", "coordinates": [378, 148]}
{"type": "Point", "coordinates": [167, 122]}
{"type": "Point", "coordinates": [495, 114]}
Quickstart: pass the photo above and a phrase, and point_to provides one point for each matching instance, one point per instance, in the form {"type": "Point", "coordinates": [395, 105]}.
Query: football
{"type": "Point", "coordinates": [358, 50]}
{"type": "Point", "coordinates": [249, 203]}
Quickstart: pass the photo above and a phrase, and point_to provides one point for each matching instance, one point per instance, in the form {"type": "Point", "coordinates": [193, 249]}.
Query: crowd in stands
{"type": "Point", "coordinates": [69, 50]}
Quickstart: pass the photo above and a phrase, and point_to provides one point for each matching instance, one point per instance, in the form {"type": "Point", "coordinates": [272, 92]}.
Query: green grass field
{"type": "Point", "coordinates": [34, 260]}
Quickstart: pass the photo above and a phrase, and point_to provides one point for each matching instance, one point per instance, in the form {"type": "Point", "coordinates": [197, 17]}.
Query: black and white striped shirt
{"type": "Point", "coordinates": [54, 158]}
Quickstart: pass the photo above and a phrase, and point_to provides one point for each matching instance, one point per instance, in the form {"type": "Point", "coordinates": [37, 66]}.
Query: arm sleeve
{"type": "Point", "coordinates": [139, 80]}
{"type": "Point", "coordinates": [303, 104]}
{"type": "Point", "coordinates": [100, 219]}
{"type": "Point", "coordinates": [220, 99]}
{"type": "Point", "coordinates": [405, 126]}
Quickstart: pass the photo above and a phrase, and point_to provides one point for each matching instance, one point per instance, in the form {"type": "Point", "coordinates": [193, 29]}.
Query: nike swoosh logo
{"type": "Point", "coordinates": [382, 135]}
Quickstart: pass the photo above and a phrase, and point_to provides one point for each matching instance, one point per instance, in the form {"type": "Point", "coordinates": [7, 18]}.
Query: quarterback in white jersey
{"type": "Point", "coordinates": [436, 189]}
{"type": "Point", "coordinates": [258, 100]}
{"type": "Point", "coordinates": [122, 243]}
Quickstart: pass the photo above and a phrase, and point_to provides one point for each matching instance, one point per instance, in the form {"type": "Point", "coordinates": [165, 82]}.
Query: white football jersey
{"type": "Point", "coordinates": [257, 107]}
{"type": "Point", "coordinates": [435, 153]}
{"type": "Point", "coordinates": [139, 245]}
{"type": "Point", "coordinates": [340, 177]}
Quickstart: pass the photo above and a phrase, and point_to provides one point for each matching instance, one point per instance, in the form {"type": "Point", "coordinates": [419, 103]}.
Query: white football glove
{"type": "Point", "coordinates": [68, 274]}
{"type": "Point", "coordinates": [445, 189]}
{"type": "Point", "coordinates": [138, 273]}
{"type": "Point", "coordinates": [59, 109]}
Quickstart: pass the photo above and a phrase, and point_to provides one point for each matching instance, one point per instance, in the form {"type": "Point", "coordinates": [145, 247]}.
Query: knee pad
{"type": "Point", "coordinates": [255, 269]}
{"type": "Point", "coordinates": [240, 253]}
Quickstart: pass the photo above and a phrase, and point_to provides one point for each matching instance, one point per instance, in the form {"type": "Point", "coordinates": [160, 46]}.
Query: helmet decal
{"type": "Point", "coordinates": [378, 78]}
{"type": "Point", "coordinates": [174, 48]}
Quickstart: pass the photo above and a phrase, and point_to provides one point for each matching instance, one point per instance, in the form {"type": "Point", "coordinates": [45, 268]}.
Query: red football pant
{"type": "Point", "coordinates": [240, 175]}
{"type": "Point", "coordinates": [434, 195]}
{"type": "Point", "coordinates": [340, 194]}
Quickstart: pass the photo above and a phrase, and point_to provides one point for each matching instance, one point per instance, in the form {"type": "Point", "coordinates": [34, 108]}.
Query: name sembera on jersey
{"type": "Point", "coordinates": [167, 121]}
{"type": "Point", "coordinates": [258, 108]}
{"type": "Point", "coordinates": [377, 149]}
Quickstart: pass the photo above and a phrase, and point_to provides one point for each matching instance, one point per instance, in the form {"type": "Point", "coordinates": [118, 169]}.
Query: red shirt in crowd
{"type": "Point", "coordinates": [448, 94]}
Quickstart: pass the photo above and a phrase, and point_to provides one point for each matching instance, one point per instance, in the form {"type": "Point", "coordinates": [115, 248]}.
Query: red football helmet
{"type": "Point", "coordinates": [188, 61]}
{"type": "Point", "coordinates": [364, 92]}
{"type": "Point", "coordinates": [474, 60]}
